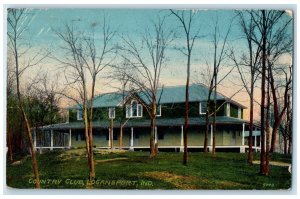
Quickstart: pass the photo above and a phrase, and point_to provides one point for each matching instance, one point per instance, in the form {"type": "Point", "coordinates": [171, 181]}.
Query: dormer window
{"type": "Point", "coordinates": [111, 113]}
{"type": "Point", "coordinates": [79, 114]}
{"type": "Point", "coordinates": [134, 109]}
{"type": "Point", "coordinates": [158, 111]}
{"type": "Point", "coordinates": [202, 108]}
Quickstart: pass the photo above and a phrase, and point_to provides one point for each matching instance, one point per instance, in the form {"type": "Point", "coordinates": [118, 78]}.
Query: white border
{"type": "Point", "coordinates": [213, 4]}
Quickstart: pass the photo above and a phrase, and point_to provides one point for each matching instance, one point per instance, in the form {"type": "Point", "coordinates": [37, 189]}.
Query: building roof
{"type": "Point", "coordinates": [169, 94]}
{"type": "Point", "coordinates": [146, 123]}
{"type": "Point", "coordinates": [176, 94]}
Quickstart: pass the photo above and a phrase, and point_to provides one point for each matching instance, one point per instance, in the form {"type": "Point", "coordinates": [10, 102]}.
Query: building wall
{"type": "Point", "coordinates": [171, 137]}
{"type": "Point", "coordinates": [167, 111]}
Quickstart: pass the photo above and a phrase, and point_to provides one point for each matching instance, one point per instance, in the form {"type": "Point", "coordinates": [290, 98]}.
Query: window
{"type": "Point", "coordinates": [228, 109]}
{"type": "Point", "coordinates": [161, 135]}
{"type": "Point", "coordinates": [202, 108]}
{"type": "Point", "coordinates": [111, 113]}
{"type": "Point", "coordinates": [79, 114]}
{"type": "Point", "coordinates": [134, 110]}
{"type": "Point", "coordinates": [239, 112]}
{"type": "Point", "coordinates": [158, 110]}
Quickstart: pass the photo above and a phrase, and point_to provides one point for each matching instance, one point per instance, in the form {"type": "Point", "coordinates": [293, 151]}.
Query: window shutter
{"type": "Point", "coordinates": [128, 115]}
{"type": "Point", "coordinates": [203, 107]}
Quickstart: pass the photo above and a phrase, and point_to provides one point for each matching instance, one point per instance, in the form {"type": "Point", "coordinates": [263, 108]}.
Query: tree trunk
{"type": "Point", "coordinates": [186, 121]}
{"type": "Point", "coordinates": [268, 131]}
{"type": "Point", "coordinates": [214, 124]}
{"type": "Point", "coordinates": [86, 130]}
{"type": "Point", "coordinates": [290, 145]}
{"type": "Point", "coordinates": [285, 144]}
{"type": "Point", "coordinates": [152, 132]}
{"type": "Point", "coordinates": [121, 137]}
{"type": "Point", "coordinates": [32, 150]}
{"type": "Point", "coordinates": [274, 132]}
{"type": "Point", "coordinates": [206, 130]}
{"type": "Point", "coordinates": [289, 122]}
{"type": "Point", "coordinates": [8, 134]}
{"type": "Point", "coordinates": [262, 104]}
{"type": "Point", "coordinates": [91, 156]}
{"type": "Point", "coordinates": [27, 125]}
{"type": "Point", "coordinates": [250, 155]}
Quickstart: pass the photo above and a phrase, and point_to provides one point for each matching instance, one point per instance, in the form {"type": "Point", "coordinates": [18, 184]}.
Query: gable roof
{"type": "Point", "coordinates": [169, 94]}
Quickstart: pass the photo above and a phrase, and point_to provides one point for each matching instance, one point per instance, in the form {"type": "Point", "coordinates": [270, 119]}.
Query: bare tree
{"type": "Point", "coordinates": [279, 44]}
{"type": "Point", "coordinates": [265, 23]}
{"type": "Point", "coordinates": [186, 19]}
{"type": "Point", "coordinates": [247, 65]}
{"type": "Point", "coordinates": [10, 93]}
{"type": "Point", "coordinates": [211, 81]}
{"type": "Point", "coordinates": [144, 68]}
{"type": "Point", "coordinates": [121, 77]}
{"type": "Point", "coordinates": [17, 25]}
{"type": "Point", "coordinates": [82, 55]}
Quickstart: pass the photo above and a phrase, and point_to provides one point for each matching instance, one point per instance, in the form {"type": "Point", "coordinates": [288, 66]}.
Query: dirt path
{"type": "Point", "coordinates": [274, 163]}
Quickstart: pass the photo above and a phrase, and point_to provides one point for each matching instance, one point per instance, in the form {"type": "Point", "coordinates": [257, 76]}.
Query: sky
{"type": "Point", "coordinates": [44, 23]}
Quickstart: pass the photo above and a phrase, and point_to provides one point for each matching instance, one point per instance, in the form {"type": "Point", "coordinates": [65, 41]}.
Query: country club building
{"type": "Point", "coordinates": [232, 131]}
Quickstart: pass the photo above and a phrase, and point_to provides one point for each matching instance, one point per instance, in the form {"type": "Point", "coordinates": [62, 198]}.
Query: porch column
{"type": "Point", "coordinates": [109, 138]}
{"type": "Point", "coordinates": [131, 139]}
{"type": "Point", "coordinates": [34, 139]}
{"type": "Point", "coordinates": [70, 136]}
{"type": "Point", "coordinates": [243, 135]}
{"type": "Point", "coordinates": [181, 140]}
{"type": "Point", "coordinates": [255, 144]}
{"type": "Point", "coordinates": [155, 134]}
{"type": "Point", "coordinates": [211, 138]}
{"type": "Point", "coordinates": [51, 145]}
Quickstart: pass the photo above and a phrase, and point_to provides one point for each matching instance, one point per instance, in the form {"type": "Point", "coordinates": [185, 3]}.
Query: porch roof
{"type": "Point", "coordinates": [146, 123]}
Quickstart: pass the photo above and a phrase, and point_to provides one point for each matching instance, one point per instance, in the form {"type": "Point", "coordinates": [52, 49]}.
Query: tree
{"type": "Point", "coordinates": [82, 55]}
{"type": "Point", "coordinates": [11, 108]}
{"type": "Point", "coordinates": [209, 77]}
{"type": "Point", "coordinates": [144, 68]}
{"type": "Point", "coordinates": [42, 100]}
{"type": "Point", "coordinates": [280, 44]}
{"type": "Point", "coordinates": [247, 65]}
{"type": "Point", "coordinates": [265, 25]}
{"type": "Point", "coordinates": [218, 58]}
{"type": "Point", "coordinates": [186, 19]}
{"type": "Point", "coordinates": [16, 19]}
{"type": "Point", "coordinates": [121, 77]}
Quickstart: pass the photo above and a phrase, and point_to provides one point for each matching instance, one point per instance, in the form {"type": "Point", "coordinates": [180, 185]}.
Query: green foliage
{"type": "Point", "coordinates": [41, 111]}
{"type": "Point", "coordinates": [134, 170]}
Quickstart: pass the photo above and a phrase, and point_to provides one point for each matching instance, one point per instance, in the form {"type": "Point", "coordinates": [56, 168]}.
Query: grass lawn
{"type": "Point", "coordinates": [134, 170]}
